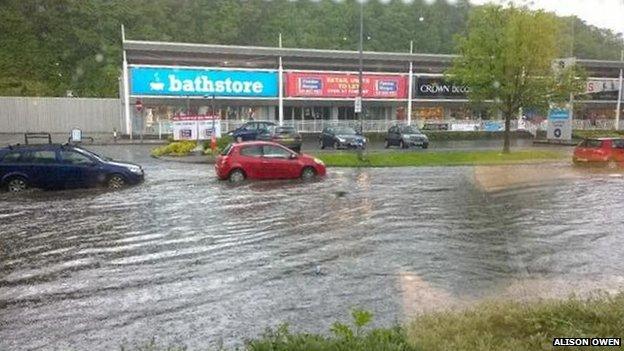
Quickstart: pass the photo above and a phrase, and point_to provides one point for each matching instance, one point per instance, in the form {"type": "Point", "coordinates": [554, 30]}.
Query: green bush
{"type": "Point", "coordinates": [343, 338]}
{"type": "Point", "coordinates": [177, 148]}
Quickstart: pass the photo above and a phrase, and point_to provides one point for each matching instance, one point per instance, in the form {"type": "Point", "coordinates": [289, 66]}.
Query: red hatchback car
{"type": "Point", "coordinates": [602, 151]}
{"type": "Point", "coordinates": [265, 160]}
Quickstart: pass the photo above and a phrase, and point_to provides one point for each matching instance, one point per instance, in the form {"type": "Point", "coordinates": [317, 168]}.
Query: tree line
{"type": "Point", "coordinates": [48, 47]}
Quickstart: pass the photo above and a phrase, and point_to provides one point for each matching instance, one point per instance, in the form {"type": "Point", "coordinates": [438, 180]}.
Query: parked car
{"type": "Point", "coordinates": [54, 166]}
{"type": "Point", "coordinates": [406, 136]}
{"type": "Point", "coordinates": [603, 151]}
{"type": "Point", "coordinates": [250, 130]}
{"type": "Point", "coordinates": [286, 136]}
{"type": "Point", "coordinates": [341, 137]}
{"type": "Point", "coordinates": [265, 160]}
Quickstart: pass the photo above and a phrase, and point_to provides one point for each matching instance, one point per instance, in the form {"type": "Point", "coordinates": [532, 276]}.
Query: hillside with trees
{"type": "Point", "coordinates": [48, 47]}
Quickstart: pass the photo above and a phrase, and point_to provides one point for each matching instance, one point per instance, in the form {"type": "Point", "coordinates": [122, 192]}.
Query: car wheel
{"type": "Point", "coordinates": [116, 182]}
{"type": "Point", "coordinates": [611, 164]}
{"type": "Point", "coordinates": [321, 144]}
{"type": "Point", "coordinates": [386, 144]}
{"type": "Point", "coordinates": [425, 146]}
{"type": "Point", "coordinates": [308, 173]}
{"type": "Point", "coordinates": [236, 176]}
{"type": "Point", "coordinates": [17, 184]}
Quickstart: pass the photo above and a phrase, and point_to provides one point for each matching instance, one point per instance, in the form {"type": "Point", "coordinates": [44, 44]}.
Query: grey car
{"type": "Point", "coordinates": [406, 136]}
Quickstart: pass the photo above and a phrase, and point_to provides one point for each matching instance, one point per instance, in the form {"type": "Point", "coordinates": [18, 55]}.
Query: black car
{"type": "Point", "coordinates": [54, 166]}
{"type": "Point", "coordinates": [286, 136]}
{"type": "Point", "coordinates": [341, 137]}
{"type": "Point", "coordinates": [406, 136]}
{"type": "Point", "coordinates": [250, 130]}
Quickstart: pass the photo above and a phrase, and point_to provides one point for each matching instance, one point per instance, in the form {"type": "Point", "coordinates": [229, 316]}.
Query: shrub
{"type": "Point", "coordinates": [177, 148]}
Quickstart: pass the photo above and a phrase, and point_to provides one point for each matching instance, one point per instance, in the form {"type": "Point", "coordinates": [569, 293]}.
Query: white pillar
{"type": "Point", "coordinates": [619, 101]}
{"type": "Point", "coordinates": [410, 83]}
{"type": "Point", "coordinates": [126, 85]}
{"type": "Point", "coordinates": [280, 89]}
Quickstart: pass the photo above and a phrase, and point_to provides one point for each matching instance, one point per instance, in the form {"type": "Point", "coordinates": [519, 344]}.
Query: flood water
{"type": "Point", "coordinates": [188, 259]}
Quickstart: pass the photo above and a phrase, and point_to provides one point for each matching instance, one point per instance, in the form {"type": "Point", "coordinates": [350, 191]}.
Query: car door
{"type": "Point", "coordinates": [278, 163]}
{"type": "Point", "coordinates": [79, 170]}
{"type": "Point", "coordinates": [394, 136]}
{"type": "Point", "coordinates": [43, 169]}
{"type": "Point", "coordinates": [250, 159]}
{"type": "Point", "coordinates": [328, 137]}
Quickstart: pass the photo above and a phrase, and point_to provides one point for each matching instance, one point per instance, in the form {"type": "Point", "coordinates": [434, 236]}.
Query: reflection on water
{"type": "Point", "coordinates": [185, 257]}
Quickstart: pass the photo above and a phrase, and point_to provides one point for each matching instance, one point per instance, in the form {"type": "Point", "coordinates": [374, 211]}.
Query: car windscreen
{"type": "Point", "coordinates": [593, 143]}
{"type": "Point", "coordinates": [227, 150]}
{"type": "Point", "coordinates": [91, 154]}
{"type": "Point", "coordinates": [409, 130]}
{"type": "Point", "coordinates": [345, 131]}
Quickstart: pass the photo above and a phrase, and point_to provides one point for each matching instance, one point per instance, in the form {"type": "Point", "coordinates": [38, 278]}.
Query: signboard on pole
{"type": "Point", "coordinates": [559, 124]}
{"type": "Point", "coordinates": [358, 104]}
{"type": "Point", "coordinates": [196, 127]}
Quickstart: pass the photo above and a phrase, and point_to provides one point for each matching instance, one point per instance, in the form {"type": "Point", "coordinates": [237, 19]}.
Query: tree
{"type": "Point", "coordinates": [506, 58]}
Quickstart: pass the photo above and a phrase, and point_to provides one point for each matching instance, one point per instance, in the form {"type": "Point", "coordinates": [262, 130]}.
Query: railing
{"type": "Point", "coordinates": [164, 128]}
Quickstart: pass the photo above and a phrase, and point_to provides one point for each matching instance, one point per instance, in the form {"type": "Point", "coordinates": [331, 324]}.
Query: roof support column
{"type": "Point", "coordinates": [410, 88]}
{"type": "Point", "coordinates": [280, 83]}
{"type": "Point", "coordinates": [126, 86]}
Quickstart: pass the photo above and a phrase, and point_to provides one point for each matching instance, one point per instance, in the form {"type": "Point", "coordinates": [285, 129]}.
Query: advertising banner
{"type": "Point", "coordinates": [161, 81]}
{"type": "Point", "coordinates": [605, 89]}
{"type": "Point", "coordinates": [193, 126]}
{"type": "Point", "coordinates": [341, 85]}
{"type": "Point", "coordinates": [559, 124]}
{"type": "Point", "coordinates": [427, 87]}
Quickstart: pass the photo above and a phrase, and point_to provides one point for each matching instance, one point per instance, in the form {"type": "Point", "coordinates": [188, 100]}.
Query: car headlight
{"type": "Point", "coordinates": [341, 140]}
{"type": "Point", "coordinates": [319, 161]}
{"type": "Point", "coordinates": [364, 140]}
{"type": "Point", "coordinates": [135, 170]}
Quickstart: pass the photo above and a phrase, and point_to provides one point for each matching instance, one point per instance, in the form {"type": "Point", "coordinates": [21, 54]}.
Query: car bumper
{"type": "Point", "coordinates": [352, 145]}
{"type": "Point", "coordinates": [134, 179]}
{"type": "Point", "coordinates": [221, 172]}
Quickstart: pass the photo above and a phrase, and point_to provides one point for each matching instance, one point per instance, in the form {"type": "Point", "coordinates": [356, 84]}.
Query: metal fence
{"type": "Point", "coordinates": [59, 115]}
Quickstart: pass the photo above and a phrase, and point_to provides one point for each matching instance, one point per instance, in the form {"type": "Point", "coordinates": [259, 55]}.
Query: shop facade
{"type": "Point", "coordinates": [310, 89]}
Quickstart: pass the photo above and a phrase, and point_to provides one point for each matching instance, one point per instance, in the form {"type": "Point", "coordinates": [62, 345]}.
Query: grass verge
{"type": "Point", "coordinates": [450, 158]}
{"type": "Point", "coordinates": [519, 326]}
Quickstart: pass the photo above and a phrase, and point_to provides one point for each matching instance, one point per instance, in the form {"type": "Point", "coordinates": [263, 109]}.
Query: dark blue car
{"type": "Point", "coordinates": [53, 166]}
{"type": "Point", "coordinates": [250, 130]}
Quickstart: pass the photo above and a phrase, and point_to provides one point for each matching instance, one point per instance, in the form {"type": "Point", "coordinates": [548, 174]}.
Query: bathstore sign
{"type": "Point", "coordinates": [161, 81]}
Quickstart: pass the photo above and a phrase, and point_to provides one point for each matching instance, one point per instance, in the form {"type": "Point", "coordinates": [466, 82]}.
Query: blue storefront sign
{"type": "Point", "coordinates": [493, 126]}
{"type": "Point", "coordinates": [161, 81]}
{"type": "Point", "coordinates": [558, 114]}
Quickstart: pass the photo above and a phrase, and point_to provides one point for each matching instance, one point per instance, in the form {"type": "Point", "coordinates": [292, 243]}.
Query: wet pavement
{"type": "Point", "coordinates": [188, 259]}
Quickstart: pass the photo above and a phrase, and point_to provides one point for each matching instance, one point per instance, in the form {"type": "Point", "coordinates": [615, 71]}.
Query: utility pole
{"type": "Point", "coordinates": [619, 101]}
{"type": "Point", "coordinates": [361, 56]}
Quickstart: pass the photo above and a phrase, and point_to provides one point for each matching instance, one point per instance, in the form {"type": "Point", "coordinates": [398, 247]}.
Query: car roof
{"type": "Point", "coordinates": [34, 147]}
{"type": "Point", "coordinates": [255, 143]}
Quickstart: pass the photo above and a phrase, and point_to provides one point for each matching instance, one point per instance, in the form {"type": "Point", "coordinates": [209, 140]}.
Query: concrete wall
{"type": "Point", "coordinates": [59, 115]}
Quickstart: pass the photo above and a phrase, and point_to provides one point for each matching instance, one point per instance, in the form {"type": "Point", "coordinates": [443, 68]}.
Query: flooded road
{"type": "Point", "coordinates": [187, 259]}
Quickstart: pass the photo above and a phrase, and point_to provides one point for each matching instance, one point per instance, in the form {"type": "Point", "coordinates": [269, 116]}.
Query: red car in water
{"type": "Point", "coordinates": [602, 151]}
{"type": "Point", "coordinates": [265, 160]}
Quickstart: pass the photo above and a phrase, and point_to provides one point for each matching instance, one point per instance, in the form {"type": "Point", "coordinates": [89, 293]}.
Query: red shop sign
{"type": "Point", "coordinates": [342, 85]}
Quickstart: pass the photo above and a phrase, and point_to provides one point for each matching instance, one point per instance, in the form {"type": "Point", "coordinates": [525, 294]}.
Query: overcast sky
{"type": "Point", "coordinates": [600, 13]}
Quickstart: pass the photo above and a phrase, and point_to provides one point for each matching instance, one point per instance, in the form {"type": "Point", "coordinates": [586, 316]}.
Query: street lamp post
{"type": "Point", "coordinates": [361, 57]}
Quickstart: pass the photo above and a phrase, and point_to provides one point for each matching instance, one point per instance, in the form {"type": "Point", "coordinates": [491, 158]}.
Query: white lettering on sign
{"type": "Point", "coordinates": [202, 84]}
